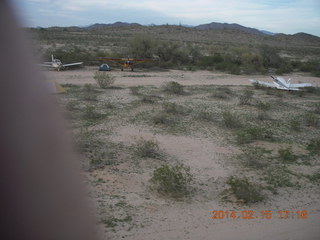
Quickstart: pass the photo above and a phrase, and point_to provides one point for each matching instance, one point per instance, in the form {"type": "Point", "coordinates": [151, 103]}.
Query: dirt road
{"type": "Point", "coordinates": [127, 78]}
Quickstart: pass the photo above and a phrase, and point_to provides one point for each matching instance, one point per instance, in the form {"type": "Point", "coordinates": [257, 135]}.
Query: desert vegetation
{"type": "Point", "coordinates": [270, 151]}
{"type": "Point", "coordinates": [173, 181]}
{"type": "Point", "coordinates": [104, 80]}
{"type": "Point", "coordinates": [184, 48]}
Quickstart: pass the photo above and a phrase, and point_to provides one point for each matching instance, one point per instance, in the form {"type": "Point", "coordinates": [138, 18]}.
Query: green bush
{"type": "Point", "coordinates": [206, 116]}
{"type": "Point", "coordinates": [263, 106]}
{"type": "Point", "coordinates": [174, 88]}
{"type": "Point", "coordinates": [209, 61]}
{"type": "Point", "coordinates": [285, 67]}
{"type": "Point", "coordinates": [252, 62]}
{"type": "Point", "coordinates": [164, 119]}
{"type": "Point", "coordinates": [103, 79]}
{"type": "Point", "coordinates": [317, 108]}
{"type": "Point", "coordinates": [172, 180]}
{"type": "Point", "coordinates": [172, 108]}
{"type": "Point", "coordinates": [243, 137]}
{"type": "Point", "coordinates": [270, 57]}
{"type": "Point", "coordinates": [287, 156]}
{"type": "Point", "coordinates": [230, 120]}
{"type": "Point", "coordinates": [314, 146]}
{"type": "Point", "coordinates": [142, 46]}
{"type": "Point", "coordinates": [244, 190]}
{"type": "Point", "coordinates": [312, 66]}
{"type": "Point", "coordinates": [313, 90]}
{"type": "Point", "coordinates": [234, 69]}
{"type": "Point", "coordinates": [72, 105]}
{"type": "Point", "coordinates": [263, 115]}
{"type": "Point", "coordinates": [173, 54]}
{"type": "Point", "coordinates": [314, 177]}
{"type": "Point", "coordinates": [311, 119]}
{"type": "Point", "coordinates": [148, 99]}
{"type": "Point", "coordinates": [112, 222]}
{"type": "Point", "coordinates": [246, 97]}
{"type": "Point", "coordinates": [277, 177]}
{"type": "Point", "coordinates": [222, 93]}
{"type": "Point", "coordinates": [90, 113]}
{"type": "Point", "coordinates": [255, 157]}
{"type": "Point", "coordinates": [229, 67]}
{"type": "Point", "coordinates": [94, 149]}
{"type": "Point", "coordinates": [135, 90]}
{"type": "Point", "coordinates": [250, 134]}
{"type": "Point", "coordinates": [70, 53]}
{"type": "Point", "coordinates": [147, 149]}
{"type": "Point", "coordinates": [295, 124]}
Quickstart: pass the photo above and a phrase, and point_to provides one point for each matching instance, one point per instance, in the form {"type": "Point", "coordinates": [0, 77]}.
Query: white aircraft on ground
{"type": "Point", "coordinates": [281, 83]}
{"type": "Point", "coordinates": [57, 64]}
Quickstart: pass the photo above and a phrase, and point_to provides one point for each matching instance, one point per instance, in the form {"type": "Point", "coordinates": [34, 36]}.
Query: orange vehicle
{"type": "Point", "coordinates": [126, 62]}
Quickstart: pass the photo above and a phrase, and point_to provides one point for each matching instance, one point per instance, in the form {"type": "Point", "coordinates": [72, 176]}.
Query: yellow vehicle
{"type": "Point", "coordinates": [126, 62]}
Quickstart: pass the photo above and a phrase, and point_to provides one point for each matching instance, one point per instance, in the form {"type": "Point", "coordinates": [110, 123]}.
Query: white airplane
{"type": "Point", "coordinates": [57, 64]}
{"type": "Point", "coordinates": [281, 83]}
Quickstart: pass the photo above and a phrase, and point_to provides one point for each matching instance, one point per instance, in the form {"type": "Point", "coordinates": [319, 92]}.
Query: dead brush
{"type": "Point", "coordinates": [254, 157]}
{"type": "Point", "coordinates": [246, 97]}
{"type": "Point", "coordinates": [172, 108]}
{"type": "Point", "coordinates": [147, 149]}
{"type": "Point", "coordinates": [223, 93]}
{"type": "Point", "coordinates": [244, 190]}
{"type": "Point", "coordinates": [231, 120]}
{"type": "Point", "coordinates": [103, 79]}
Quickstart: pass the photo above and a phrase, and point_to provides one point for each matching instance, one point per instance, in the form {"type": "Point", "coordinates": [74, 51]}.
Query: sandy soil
{"type": "Point", "coordinates": [192, 219]}
{"type": "Point", "coordinates": [163, 219]}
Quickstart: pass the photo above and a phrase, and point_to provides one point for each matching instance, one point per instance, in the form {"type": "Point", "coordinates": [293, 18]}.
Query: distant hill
{"type": "Point", "coordinates": [114, 36]}
{"type": "Point", "coordinates": [116, 24]}
{"type": "Point", "coordinates": [306, 36]}
{"type": "Point", "coordinates": [221, 26]}
{"type": "Point", "coordinates": [209, 26]}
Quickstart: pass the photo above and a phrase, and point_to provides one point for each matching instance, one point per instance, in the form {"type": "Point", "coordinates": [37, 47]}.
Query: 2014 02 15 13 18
{"type": "Point", "coordinates": [266, 214]}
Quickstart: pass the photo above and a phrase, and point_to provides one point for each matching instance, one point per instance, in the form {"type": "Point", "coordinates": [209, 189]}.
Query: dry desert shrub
{"type": "Point", "coordinates": [245, 190]}
{"type": "Point", "coordinates": [172, 180]}
{"type": "Point", "coordinates": [174, 88]}
{"type": "Point", "coordinates": [147, 149]}
{"type": "Point", "coordinates": [103, 79]}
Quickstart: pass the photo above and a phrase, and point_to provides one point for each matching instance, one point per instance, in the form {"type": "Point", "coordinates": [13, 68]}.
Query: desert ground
{"type": "Point", "coordinates": [157, 78]}
{"type": "Point", "coordinates": [110, 125]}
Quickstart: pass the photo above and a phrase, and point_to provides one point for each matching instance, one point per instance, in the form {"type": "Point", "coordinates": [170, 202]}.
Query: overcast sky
{"type": "Point", "coordinates": [285, 16]}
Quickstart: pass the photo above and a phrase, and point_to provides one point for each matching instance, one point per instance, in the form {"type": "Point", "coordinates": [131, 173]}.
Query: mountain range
{"type": "Point", "coordinates": [208, 26]}
{"type": "Point", "coordinates": [214, 33]}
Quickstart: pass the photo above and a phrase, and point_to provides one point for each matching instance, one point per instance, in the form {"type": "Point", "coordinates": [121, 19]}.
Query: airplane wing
{"type": "Point", "coordinates": [72, 64]}
{"type": "Point", "coordinates": [288, 89]}
{"type": "Point", "coordinates": [265, 84]}
{"type": "Point", "coordinates": [112, 59]}
{"type": "Point", "coordinates": [300, 85]}
{"type": "Point", "coordinates": [139, 60]}
{"type": "Point", "coordinates": [126, 61]}
{"type": "Point", "coordinates": [45, 65]}
{"type": "Point", "coordinates": [270, 85]}
{"type": "Point", "coordinates": [115, 60]}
